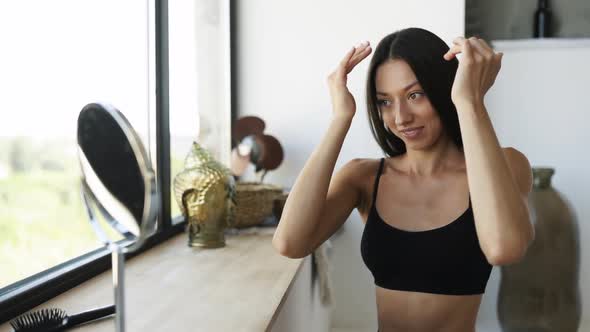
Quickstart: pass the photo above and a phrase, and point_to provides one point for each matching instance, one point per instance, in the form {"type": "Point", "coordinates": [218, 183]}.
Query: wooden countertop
{"type": "Point", "coordinates": [173, 287]}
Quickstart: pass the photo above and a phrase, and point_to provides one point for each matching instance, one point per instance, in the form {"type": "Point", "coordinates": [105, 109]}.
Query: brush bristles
{"type": "Point", "coordinates": [39, 320]}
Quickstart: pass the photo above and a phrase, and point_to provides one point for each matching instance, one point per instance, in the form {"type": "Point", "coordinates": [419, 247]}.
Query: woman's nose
{"type": "Point", "coordinates": [402, 115]}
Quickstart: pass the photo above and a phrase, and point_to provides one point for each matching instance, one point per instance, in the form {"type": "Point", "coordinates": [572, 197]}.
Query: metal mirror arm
{"type": "Point", "coordinates": [111, 221]}
{"type": "Point", "coordinates": [117, 252]}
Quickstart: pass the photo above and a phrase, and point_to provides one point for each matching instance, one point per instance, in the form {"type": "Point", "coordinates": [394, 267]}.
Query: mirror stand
{"type": "Point", "coordinates": [117, 254]}
{"type": "Point", "coordinates": [118, 266]}
{"type": "Point", "coordinates": [118, 182]}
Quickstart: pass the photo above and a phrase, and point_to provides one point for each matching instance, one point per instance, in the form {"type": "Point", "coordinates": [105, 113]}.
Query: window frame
{"type": "Point", "coordinates": [26, 294]}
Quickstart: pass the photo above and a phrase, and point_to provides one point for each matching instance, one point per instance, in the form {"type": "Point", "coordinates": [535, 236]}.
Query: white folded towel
{"type": "Point", "coordinates": [323, 267]}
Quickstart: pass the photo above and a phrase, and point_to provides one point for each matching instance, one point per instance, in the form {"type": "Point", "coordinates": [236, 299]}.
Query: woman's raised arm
{"type": "Point", "coordinates": [317, 206]}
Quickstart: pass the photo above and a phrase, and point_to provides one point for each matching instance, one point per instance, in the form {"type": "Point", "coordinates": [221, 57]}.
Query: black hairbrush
{"type": "Point", "coordinates": [50, 320]}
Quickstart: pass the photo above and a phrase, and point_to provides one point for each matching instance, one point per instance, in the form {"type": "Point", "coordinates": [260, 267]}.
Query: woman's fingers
{"type": "Point", "coordinates": [352, 53]}
{"type": "Point", "coordinates": [452, 52]}
{"type": "Point", "coordinates": [359, 50]}
{"type": "Point", "coordinates": [496, 57]}
{"type": "Point", "coordinates": [358, 57]}
{"type": "Point", "coordinates": [468, 50]}
{"type": "Point", "coordinates": [347, 57]}
{"type": "Point", "coordinates": [479, 47]}
{"type": "Point", "coordinates": [479, 50]}
{"type": "Point", "coordinates": [355, 55]}
{"type": "Point", "coordinates": [459, 40]}
{"type": "Point", "coordinates": [455, 49]}
{"type": "Point", "coordinates": [477, 53]}
{"type": "Point", "coordinates": [485, 45]}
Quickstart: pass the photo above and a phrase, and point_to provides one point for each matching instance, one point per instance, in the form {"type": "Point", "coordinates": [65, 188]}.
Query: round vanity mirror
{"type": "Point", "coordinates": [118, 181]}
{"type": "Point", "coordinates": [117, 176]}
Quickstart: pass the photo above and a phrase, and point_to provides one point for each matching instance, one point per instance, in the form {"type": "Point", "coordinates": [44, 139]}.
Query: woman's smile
{"type": "Point", "coordinates": [412, 133]}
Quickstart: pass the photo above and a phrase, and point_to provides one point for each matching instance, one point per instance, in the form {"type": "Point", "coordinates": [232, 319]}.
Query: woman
{"type": "Point", "coordinates": [446, 204]}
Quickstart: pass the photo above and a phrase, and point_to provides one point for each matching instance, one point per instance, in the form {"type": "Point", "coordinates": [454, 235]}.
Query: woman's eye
{"type": "Point", "coordinates": [384, 103]}
{"type": "Point", "coordinates": [416, 95]}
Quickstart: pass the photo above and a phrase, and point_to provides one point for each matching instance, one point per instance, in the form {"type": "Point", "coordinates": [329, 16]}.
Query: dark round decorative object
{"type": "Point", "coordinates": [247, 125]}
{"type": "Point", "coordinates": [272, 153]}
{"type": "Point", "coordinates": [264, 151]}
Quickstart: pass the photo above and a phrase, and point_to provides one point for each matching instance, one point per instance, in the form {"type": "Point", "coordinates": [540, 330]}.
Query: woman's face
{"type": "Point", "coordinates": [404, 105]}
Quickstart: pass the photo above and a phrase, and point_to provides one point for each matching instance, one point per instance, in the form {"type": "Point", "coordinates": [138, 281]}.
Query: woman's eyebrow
{"type": "Point", "coordinates": [404, 89]}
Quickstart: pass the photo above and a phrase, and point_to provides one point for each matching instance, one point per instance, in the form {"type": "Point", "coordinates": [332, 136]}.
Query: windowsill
{"type": "Point", "coordinates": [540, 43]}
{"type": "Point", "coordinates": [174, 287]}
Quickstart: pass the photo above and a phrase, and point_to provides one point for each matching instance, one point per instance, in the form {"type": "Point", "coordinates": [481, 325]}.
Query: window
{"type": "Point", "coordinates": [200, 99]}
{"type": "Point", "coordinates": [64, 54]}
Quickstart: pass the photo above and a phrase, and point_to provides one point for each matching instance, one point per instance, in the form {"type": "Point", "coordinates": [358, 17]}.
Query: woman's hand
{"type": "Point", "coordinates": [478, 67]}
{"type": "Point", "coordinates": [342, 100]}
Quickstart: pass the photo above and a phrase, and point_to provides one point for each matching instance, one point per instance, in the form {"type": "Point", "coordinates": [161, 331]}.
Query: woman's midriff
{"type": "Point", "coordinates": [421, 312]}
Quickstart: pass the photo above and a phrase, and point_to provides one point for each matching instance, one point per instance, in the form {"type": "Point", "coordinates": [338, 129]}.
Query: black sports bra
{"type": "Point", "coordinates": [444, 260]}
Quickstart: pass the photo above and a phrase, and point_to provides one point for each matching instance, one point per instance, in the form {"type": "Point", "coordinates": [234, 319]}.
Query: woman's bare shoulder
{"type": "Point", "coordinates": [358, 169]}
{"type": "Point", "coordinates": [360, 173]}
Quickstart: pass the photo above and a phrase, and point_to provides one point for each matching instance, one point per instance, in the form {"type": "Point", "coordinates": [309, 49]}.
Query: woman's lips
{"type": "Point", "coordinates": [414, 133]}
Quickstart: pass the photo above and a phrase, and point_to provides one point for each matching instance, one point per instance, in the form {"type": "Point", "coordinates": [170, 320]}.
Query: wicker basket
{"type": "Point", "coordinates": [255, 202]}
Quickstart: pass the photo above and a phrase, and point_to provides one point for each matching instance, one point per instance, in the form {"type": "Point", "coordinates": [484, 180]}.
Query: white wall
{"type": "Point", "coordinates": [285, 51]}
{"type": "Point", "coordinates": [539, 105]}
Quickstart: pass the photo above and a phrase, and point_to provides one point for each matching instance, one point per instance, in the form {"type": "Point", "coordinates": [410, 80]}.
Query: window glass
{"type": "Point", "coordinates": [58, 56]}
{"type": "Point", "coordinates": [199, 81]}
{"type": "Point", "coordinates": [184, 110]}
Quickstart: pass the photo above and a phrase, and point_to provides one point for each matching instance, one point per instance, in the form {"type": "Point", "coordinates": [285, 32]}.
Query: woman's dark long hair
{"type": "Point", "coordinates": [423, 51]}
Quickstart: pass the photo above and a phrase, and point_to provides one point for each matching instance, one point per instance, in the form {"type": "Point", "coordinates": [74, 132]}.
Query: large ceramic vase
{"type": "Point", "coordinates": [541, 292]}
